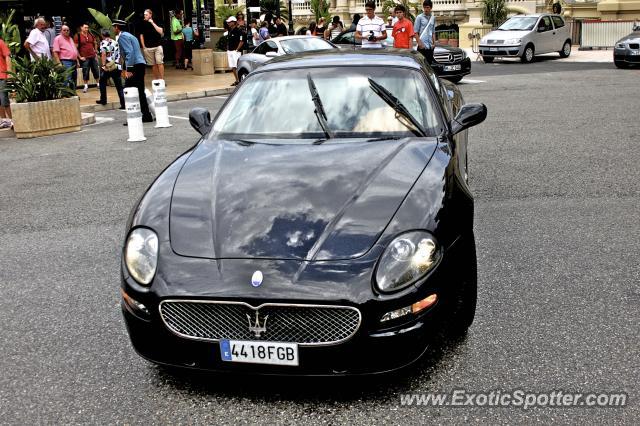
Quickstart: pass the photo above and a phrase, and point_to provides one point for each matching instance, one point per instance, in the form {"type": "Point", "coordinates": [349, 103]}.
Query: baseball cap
{"type": "Point", "coordinates": [232, 19]}
{"type": "Point", "coordinates": [119, 22]}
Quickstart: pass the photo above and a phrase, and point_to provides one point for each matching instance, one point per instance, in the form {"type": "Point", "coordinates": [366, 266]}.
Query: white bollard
{"type": "Point", "coordinates": [160, 101]}
{"type": "Point", "coordinates": [149, 96]}
{"type": "Point", "coordinates": [134, 115]}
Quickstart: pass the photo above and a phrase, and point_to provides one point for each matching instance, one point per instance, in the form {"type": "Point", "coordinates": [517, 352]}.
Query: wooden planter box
{"type": "Point", "coordinates": [33, 119]}
{"type": "Point", "coordinates": [220, 62]}
{"type": "Point", "coordinates": [453, 42]}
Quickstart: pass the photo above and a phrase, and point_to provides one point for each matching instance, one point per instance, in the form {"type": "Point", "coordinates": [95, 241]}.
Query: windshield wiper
{"type": "Point", "coordinates": [398, 107]}
{"type": "Point", "coordinates": [319, 111]}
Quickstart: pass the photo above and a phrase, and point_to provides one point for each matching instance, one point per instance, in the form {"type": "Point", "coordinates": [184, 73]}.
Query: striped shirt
{"type": "Point", "coordinates": [365, 25]}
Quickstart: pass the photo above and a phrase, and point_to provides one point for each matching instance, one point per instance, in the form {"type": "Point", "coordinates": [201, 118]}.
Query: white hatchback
{"type": "Point", "coordinates": [525, 36]}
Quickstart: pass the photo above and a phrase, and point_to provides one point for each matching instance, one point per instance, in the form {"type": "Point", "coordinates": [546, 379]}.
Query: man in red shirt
{"type": "Point", "coordinates": [87, 47]}
{"type": "Point", "coordinates": [5, 65]}
{"type": "Point", "coordinates": [66, 53]}
{"type": "Point", "coordinates": [403, 30]}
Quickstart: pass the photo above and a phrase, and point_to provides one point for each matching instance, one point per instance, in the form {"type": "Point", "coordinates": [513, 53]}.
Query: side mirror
{"type": "Point", "coordinates": [200, 119]}
{"type": "Point", "coordinates": [468, 116]}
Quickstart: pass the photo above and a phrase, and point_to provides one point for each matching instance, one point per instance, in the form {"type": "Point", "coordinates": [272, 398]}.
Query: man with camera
{"type": "Point", "coordinates": [371, 29]}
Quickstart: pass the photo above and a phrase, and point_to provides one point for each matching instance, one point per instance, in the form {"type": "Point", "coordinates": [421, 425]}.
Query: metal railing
{"type": "Point", "coordinates": [475, 35]}
{"type": "Point", "coordinates": [603, 34]}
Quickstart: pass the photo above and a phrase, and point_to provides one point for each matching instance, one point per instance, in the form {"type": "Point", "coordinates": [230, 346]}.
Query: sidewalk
{"type": "Point", "coordinates": [603, 55]}
{"type": "Point", "coordinates": [181, 84]}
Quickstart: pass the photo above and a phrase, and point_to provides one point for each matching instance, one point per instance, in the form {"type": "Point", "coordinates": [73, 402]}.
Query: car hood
{"type": "Point", "coordinates": [291, 201]}
{"type": "Point", "coordinates": [506, 35]}
{"type": "Point", "coordinates": [441, 48]}
{"type": "Point", "coordinates": [631, 38]}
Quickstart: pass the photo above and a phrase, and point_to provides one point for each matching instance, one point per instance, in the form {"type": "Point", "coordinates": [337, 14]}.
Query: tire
{"type": "Point", "coordinates": [487, 59]}
{"type": "Point", "coordinates": [566, 50]}
{"type": "Point", "coordinates": [465, 295]}
{"type": "Point", "coordinates": [242, 74]}
{"type": "Point", "coordinates": [528, 55]}
{"type": "Point", "coordinates": [455, 79]}
{"type": "Point", "coordinates": [620, 64]}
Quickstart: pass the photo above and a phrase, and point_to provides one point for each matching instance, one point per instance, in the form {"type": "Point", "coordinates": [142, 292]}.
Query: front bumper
{"type": "Point", "coordinates": [631, 57]}
{"type": "Point", "coordinates": [442, 71]}
{"type": "Point", "coordinates": [501, 50]}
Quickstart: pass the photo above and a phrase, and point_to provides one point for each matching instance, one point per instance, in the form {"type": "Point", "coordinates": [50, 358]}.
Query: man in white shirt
{"type": "Point", "coordinates": [37, 43]}
{"type": "Point", "coordinates": [371, 29]}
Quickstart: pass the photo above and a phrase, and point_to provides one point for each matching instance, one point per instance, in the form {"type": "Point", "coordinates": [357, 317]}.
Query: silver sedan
{"type": "Point", "coordinates": [277, 47]}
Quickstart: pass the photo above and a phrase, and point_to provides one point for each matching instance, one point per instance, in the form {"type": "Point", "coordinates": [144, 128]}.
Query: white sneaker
{"type": "Point", "coordinates": [85, 89]}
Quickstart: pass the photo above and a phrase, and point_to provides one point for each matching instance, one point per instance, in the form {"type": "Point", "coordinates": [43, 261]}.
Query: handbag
{"type": "Point", "coordinates": [110, 66]}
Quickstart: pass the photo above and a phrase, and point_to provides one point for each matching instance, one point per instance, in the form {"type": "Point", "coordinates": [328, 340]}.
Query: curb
{"type": "Point", "coordinates": [170, 98]}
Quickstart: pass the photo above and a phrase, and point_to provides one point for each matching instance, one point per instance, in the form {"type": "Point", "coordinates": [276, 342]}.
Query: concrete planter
{"type": "Point", "coordinates": [33, 119]}
{"type": "Point", "coordinates": [220, 61]}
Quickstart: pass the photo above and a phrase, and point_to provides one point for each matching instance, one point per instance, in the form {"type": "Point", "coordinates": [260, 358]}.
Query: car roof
{"type": "Point", "coordinates": [340, 58]}
{"type": "Point", "coordinates": [290, 37]}
{"type": "Point", "coordinates": [534, 15]}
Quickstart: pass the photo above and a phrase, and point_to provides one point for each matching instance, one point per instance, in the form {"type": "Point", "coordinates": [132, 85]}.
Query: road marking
{"type": "Point", "coordinates": [179, 118]}
{"type": "Point", "coordinates": [468, 81]}
{"type": "Point", "coordinates": [101, 120]}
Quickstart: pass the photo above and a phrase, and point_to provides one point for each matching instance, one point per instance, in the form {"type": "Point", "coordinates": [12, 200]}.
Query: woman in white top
{"type": "Point", "coordinates": [312, 29]}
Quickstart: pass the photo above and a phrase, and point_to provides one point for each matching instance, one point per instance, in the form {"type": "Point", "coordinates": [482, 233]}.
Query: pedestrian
{"type": "Point", "coordinates": [264, 31]}
{"type": "Point", "coordinates": [133, 65]}
{"type": "Point", "coordinates": [235, 41]}
{"type": "Point", "coordinates": [320, 27]}
{"type": "Point", "coordinates": [37, 44]}
{"type": "Point", "coordinates": [177, 37]}
{"type": "Point", "coordinates": [151, 42]}
{"type": "Point", "coordinates": [403, 30]}
{"type": "Point", "coordinates": [354, 23]}
{"type": "Point", "coordinates": [66, 53]}
{"type": "Point", "coordinates": [255, 34]}
{"type": "Point", "coordinates": [334, 29]}
{"type": "Point", "coordinates": [371, 28]}
{"type": "Point", "coordinates": [87, 53]}
{"type": "Point", "coordinates": [111, 68]}
{"type": "Point", "coordinates": [50, 33]}
{"type": "Point", "coordinates": [425, 27]}
{"type": "Point", "coordinates": [312, 29]}
{"type": "Point", "coordinates": [190, 35]}
{"type": "Point", "coordinates": [5, 66]}
{"type": "Point", "coordinates": [281, 29]}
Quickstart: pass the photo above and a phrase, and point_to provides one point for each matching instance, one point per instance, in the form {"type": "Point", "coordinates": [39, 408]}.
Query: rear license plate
{"type": "Point", "coordinates": [635, 52]}
{"type": "Point", "coordinates": [274, 353]}
{"type": "Point", "coordinates": [452, 67]}
{"type": "Point", "coordinates": [493, 49]}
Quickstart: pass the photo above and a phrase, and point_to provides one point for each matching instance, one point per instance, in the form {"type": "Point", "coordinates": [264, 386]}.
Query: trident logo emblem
{"type": "Point", "coordinates": [255, 327]}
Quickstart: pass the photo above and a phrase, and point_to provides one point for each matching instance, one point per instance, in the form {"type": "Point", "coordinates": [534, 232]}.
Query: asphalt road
{"type": "Point", "coordinates": [555, 173]}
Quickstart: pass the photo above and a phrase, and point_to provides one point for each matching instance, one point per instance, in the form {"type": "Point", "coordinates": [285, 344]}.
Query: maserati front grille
{"type": "Point", "coordinates": [302, 324]}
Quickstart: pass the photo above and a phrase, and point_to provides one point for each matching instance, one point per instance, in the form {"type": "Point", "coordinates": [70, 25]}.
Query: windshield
{"type": "Point", "coordinates": [280, 105]}
{"type": "Point", "coordinates": [519, 23]}
{"type": "Point", "coordinates": [297, 45]}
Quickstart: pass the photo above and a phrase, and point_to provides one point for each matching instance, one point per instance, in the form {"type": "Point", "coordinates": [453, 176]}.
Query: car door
{"type": "Point", "coordinates": [561, 33]}
{"type": "Point", "coordinates": [544, 37]}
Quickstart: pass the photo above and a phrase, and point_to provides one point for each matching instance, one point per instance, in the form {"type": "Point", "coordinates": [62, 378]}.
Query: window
{"type": "Point", "coordinates": [545, 24]}
{"type": "Point", "coordinates": [557, 21]}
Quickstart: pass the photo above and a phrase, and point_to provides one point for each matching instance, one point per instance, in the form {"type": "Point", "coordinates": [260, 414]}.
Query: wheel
{"type": "Point", "coordinates": [487, 59]}
{"type": "Point", "coordinates": [620, 64]}
{"type": "Point", "coordinates": [455, 79]}
{"type": "Point", "coordinates": [242, 74]}
{"type": "Point", "coordinates": [465, 294]}
{"type": "Point", "coordinates": [566, 50]}
{"type": "Point", "coordinates": [528, 54]}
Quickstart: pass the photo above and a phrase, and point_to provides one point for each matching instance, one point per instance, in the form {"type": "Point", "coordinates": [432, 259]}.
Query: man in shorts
{"type": "Point", "coordinates": [151, 42]}
{"type": "Point", "coordinates": [5, 65]}
{"type": "Point", "coordinates": [235, 41]}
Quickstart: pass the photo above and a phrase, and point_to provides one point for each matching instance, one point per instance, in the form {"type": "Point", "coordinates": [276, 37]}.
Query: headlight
{"type": "Point", "coordinates": [484, 40]}
{"type": "Point", "coordinates": [620, 46]}
{"type": "Point", "coordinates": [408, 258]}
{"type": "Point", "coordinates": [464, 54]}
{"type": "Point", "coordinates": [513, 41]}
{"type": "Point", "coordinates": [141, 254]}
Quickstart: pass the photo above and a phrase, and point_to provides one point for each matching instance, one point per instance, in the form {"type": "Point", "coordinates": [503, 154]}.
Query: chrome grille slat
{"type": "Point", "coordinates": [302, 324]}
{"type": "Point", "coordinates": [443, 58]}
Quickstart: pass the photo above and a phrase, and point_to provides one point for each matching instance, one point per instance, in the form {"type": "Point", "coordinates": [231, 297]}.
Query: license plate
{"type": "Point", "coordinates": [274, 353]}
{"type": "Point", "coordinates": [452, 67]}
{"type": "Point", "coordinates": [635, 52]}
{"type": "Point", "coordinates": [493, 49]}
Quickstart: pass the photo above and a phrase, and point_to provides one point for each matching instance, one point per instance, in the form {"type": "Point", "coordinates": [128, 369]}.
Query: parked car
{"type": "Point", "coordinates": [526, 36]}
{"type": "Point", "coordinates": [279, 46]}
{"type": "Point", "coordinates": [449, 62]}
{"type": "Point", "coordinates": [627, 50]}
{"type": "Point", "coordinates": [328, 230]}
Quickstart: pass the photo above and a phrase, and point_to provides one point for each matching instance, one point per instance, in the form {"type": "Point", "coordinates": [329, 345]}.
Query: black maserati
{"type": "Point", "coordinates": [322, 224]}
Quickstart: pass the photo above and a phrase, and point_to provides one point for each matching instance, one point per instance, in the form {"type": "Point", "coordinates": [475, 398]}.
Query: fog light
{"type": "Point", "coordinates": [133, 304]}
{"type": "Point", "coordinates": [413, 309]}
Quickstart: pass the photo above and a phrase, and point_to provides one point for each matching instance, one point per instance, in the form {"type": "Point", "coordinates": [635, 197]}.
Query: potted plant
{"type": "Point", "coordinates": [453, 39]}
{"type": "Point", "coordinates": [9, 32]}
{"type": "Point", "coordinates": [443, 37]}
{"type": "Point", "coordinates": [45, 104]}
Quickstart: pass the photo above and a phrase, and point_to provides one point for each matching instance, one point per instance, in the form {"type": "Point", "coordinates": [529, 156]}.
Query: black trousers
{"type": "Point", "coordinates": [428, 54]}
{"type": "Point", "coordinates": [137, 81]}
{"type": "Point", "coordinates": [117, 81]}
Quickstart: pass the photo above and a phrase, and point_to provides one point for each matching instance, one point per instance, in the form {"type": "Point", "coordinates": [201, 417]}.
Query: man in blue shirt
{"type": "Point", "coordinates": [133, 65]}
{"type": "Point", "coordinates": [425, 27]}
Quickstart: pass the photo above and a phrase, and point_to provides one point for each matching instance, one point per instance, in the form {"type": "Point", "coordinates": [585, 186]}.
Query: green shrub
{"type": "Point", "coordinates": [40, 80]}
